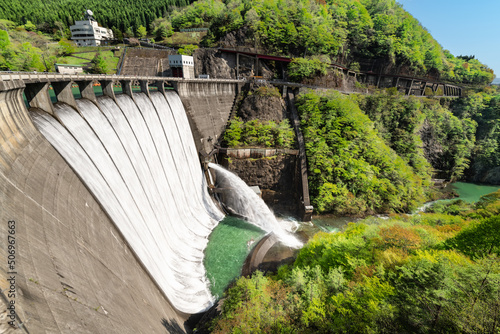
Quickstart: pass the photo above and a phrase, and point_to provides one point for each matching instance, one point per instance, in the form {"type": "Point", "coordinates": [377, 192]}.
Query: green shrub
{"type": "Point", "coordinates": [257, 133]}
{"type": "Point", "coordinates": [301, 68]}
{"type": "Point", "coordinates": [377, 276]}
{"type": "Point", "coordinates": [479, 239]}
{"type": "Point", "coordinates": [188, 50]}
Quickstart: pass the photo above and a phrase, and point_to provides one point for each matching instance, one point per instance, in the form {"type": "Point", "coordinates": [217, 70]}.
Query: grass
{"type": "Point", "coordinates": [110, 60]}
{"type": "Point", "coordinates": [182, 38]}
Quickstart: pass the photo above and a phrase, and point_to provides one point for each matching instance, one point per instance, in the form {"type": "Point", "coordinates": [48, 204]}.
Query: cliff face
{"type": "Point", "coordinates": [214, 63]}
{"type": "Point", "coordinates": [274, 171]}
{"type": "Point", "coordinates": [276, 175]}
{"type": "Point", "coordinates": [255, 105]}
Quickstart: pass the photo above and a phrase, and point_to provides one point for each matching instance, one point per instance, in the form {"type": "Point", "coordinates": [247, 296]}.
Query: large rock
{"type": "Point", "coordinates": [214, 63]}
{"type": "Point", "coordinates": [263, 103]}
{"type": "Point", "coordinates": [276, 176]}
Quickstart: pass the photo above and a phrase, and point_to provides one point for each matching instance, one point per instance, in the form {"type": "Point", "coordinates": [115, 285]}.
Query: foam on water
{"type": "Point", "coordinates": [138, 157]}
{"type": "Point", "coordinates": [241, 199]}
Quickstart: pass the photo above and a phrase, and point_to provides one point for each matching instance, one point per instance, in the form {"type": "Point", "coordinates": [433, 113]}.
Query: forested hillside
{"type": "Point", "coordinates": [427, 273]}
{"type": "Point", "coordinates": [352, 170]}
{"type": "Point", "coordinates": [120, 14]}
{"type": "Point", "coordinates": [377, 153]}
{"type": "Point", "coordinates": [360, 34]}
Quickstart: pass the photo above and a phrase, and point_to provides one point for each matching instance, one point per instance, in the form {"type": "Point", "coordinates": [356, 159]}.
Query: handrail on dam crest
{"type": "Point", "coordinates": [49, 77]}
{"type": "Point", "coordinates": [36, 85]}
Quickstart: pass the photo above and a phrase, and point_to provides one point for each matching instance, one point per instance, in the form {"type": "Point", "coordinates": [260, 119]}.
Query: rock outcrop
{"type": "Point", "coordinates": [214, 63]}
{"type": "Point", "coordinates": [263, 103]}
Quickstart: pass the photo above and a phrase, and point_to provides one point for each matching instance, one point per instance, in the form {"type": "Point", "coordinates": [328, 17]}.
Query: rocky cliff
{"type": "Point", "coordinates": [262, 102]}
{"type": "Point", "coordinates": [276, 175]}
{"type": "Point", "coordinates": [214, 63]}
{"type": "Point", "coordinates": [274, 171]}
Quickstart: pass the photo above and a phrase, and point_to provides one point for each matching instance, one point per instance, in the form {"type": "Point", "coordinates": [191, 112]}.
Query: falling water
{"type": "Point", "coordinates": [138, 158]}
{"type": "Point", "coordinates": [245, 202]}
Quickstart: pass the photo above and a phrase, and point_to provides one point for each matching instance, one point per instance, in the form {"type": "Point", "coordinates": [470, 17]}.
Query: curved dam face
{"type": "Point", "coordinates": [117, 257]}
{"type": "Point", "coordinates": [139, 159]}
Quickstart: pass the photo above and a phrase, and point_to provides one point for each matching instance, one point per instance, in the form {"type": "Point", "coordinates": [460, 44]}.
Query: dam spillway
{"type": "Point", "coordinates": [139, 159]}
{"type": "Point", "coordinates": [75, 271]}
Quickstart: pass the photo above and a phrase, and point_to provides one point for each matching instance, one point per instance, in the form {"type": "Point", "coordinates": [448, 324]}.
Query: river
{"type": "Point", "coordinates": [232, 240]}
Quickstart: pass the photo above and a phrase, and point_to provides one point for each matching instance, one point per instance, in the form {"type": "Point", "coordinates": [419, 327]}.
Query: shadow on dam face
{"type": "Point", "coordinates": [86, 252]}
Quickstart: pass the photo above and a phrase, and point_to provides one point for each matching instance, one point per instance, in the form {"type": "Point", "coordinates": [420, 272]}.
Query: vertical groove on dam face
{"type": "Point", "coordinates": [75, 271]}
{"type": "Point", "coordinates": [138, 159]}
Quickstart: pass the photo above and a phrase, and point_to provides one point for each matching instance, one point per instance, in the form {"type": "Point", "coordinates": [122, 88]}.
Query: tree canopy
{"type": "Point", "coordinates": [426, 273]}
{"type": "Point", "coordinates": [372, 33]}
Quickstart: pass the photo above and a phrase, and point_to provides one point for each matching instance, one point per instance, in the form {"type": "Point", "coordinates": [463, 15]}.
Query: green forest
{"type": "Point", "coordinates": [377, 153]}
{"type": "Point", "coordinates": [427, 273]}
{"type": "Point", "coordinates": [359, 34]}
{"type": "Point", "coordinates": [49, 15]}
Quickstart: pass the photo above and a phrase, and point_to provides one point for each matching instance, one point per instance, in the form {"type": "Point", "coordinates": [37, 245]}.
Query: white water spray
{"type": "Point", "coordinates": [243, 201]}
{"type": "Point", "coordinates": [139, 160]}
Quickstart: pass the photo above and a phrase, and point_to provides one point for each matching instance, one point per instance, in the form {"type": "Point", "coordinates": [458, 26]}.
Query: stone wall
{"type": "Point", "coordinates": [214, 63]}
{"type": "Point", "coordinates": [274, 171]}
{"type": "Point", "coordinates": [75, 273]}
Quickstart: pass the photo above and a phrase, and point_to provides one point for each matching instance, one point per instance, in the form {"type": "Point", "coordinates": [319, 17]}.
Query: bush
{"type": "Point", "coordinates": [259, 134]}
{"type": "Point", "coordinates": [301, 68]}
{"type": "Point", "coordinates": [98, 65]}
{"type": "Point", "coordinates": [188, 50]}
{"type": "Point", "coordinates": [479, 240]}
{"type": "Point", "coordinates": [66, 48]}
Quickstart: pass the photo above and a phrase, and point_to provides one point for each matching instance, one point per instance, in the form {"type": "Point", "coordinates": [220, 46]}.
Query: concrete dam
{"type": "Point", "coordinates": [104, 206]}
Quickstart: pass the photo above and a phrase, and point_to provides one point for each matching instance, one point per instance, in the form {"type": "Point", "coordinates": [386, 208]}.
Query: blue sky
{"type": "Point", "coordinates": [463, 27]}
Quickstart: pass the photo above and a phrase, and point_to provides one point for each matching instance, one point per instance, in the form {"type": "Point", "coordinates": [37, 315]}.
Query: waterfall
{"type": "Point", "coordinates": [137, 156]}
{"type": "Point", "coordinates": [241, 199]}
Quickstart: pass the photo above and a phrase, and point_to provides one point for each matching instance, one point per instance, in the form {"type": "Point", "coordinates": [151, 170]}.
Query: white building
{"type": "Point", "coordinates": [68, 69]}
{"type": "Point", "coordinates": [182, 66]}
{"type": "Point", "coordinates": [88, 33]}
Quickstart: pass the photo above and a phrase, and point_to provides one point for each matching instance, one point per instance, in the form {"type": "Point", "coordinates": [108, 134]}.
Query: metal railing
{"type": "Point", "coordinates": [47, 77]}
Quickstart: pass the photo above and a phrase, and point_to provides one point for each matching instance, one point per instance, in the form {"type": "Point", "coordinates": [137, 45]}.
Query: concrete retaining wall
{"type": "Point", "coordinates": [274, 171]}
{"type": "Point", "coordinates": [306, 207]}
{"type": "Point", "coordinates": [208, 106]}
{"type": "Point", "coordinates": [142, 62]}
{"type": "Point", "coordinates": [74, 271]}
